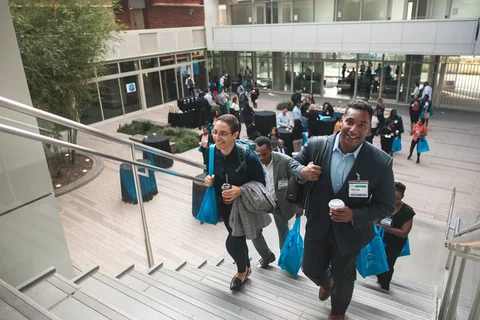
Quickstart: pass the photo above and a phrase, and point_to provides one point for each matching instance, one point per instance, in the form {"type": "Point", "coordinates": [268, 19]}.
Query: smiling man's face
{"type": "Point", "coordinates": [355, 126]}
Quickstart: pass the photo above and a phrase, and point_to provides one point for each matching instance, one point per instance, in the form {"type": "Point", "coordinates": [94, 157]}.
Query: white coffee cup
{"type": "Point", "coordinates": [336, 204]}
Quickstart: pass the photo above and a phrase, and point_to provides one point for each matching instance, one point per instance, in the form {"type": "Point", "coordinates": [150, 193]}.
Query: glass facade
{"type": "Point", "coordinates": [303, 11]}
{"type": "Point", "coordinates": [159, 79]}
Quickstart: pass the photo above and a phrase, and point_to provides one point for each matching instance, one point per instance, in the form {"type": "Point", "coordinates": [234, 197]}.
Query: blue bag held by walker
{"type": "Point", "coordinates": [291, 255]}
{"type": "Point", "coordinates": [372, 259]}
{"type": "Point", "coordinates": [208, 212]}
{"type": "Point", "coordinates": [397, 144]}
{"type": "Point", "coordinates": [422, 146]}
{"type": "Point", "coordinates": [406, 248]}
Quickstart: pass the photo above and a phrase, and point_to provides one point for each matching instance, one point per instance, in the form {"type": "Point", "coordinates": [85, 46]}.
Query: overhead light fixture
{"type": "Point", "coordinates": [58, 185]}
{"type": "Point", "coordinates": [87, 160]}
{"type": "Point", "coordinates": [84, 170]}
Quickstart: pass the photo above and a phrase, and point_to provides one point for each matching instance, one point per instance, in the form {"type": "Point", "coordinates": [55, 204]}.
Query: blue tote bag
{"type": "Point", "coordinates": [422, 146]}
{"type": "Point", "coordinates": [372, 259]}
{"type": "Point", "coordinates": [397, 144]}
{"type": "Point", "coordinates": [208, 212]}
{"type": "Point", "coordinates": [406, 248]}
{"type": "Point", "coordinates": [291, 255]}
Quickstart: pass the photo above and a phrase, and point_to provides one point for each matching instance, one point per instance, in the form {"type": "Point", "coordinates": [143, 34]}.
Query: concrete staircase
{"type": "Point", "coordinates": [202, 292]}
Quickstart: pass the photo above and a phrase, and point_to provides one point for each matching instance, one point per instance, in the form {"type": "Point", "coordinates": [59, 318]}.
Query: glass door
{"type": "Point", "coordinates": [260, 13]}
{"type": "Point", "coordinates": [393, 80]}
{"type": "Point", "coordinates": [339, 79]}
{"type": "Point", "coordinates": [286, 12]}
{"type": "Point", "coordinates": [181, 82]}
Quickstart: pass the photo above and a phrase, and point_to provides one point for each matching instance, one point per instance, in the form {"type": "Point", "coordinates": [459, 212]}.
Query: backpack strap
{"type": "Point", "coordinates": [241, 152]}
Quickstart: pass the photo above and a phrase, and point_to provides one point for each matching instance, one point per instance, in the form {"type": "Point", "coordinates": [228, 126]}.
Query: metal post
{"type": "Point", "coordinates": [475, 311]}
{"type": "Point", "coordinates": [448, 264]}
{"type": "Point", "coordinates": [136, 180]}
{"type": "Point", "coordinates": [446, 291]}
{"type": "Point", "coordinates": [452, 307]}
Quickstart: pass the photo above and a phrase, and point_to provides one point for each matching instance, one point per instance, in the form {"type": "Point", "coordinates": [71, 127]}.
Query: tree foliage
{"type": "Point", "coordinates": [61, 43]}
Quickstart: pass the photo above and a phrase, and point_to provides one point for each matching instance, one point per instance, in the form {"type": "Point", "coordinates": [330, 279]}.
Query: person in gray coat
{"type": "Point", "coordinates": [277, 174]}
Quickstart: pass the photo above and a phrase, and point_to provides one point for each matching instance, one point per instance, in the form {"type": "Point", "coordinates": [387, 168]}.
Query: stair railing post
{"type": "Point", "coordinates": [136, 180]}
{"type": "Point", "coordinates": [446, 291]}
{"type": "Point", "coordinates": [452, 307]}
{"type": "Point", "coordinates": [475, 311]}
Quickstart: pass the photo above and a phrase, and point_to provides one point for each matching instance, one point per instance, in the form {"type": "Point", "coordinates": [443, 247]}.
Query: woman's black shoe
{"type": "Point", "coordinates": [236, 283]}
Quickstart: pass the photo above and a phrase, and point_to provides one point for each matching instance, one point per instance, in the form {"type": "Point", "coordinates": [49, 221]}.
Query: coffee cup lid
{"type": "Point", "coordinates": [336, 203]}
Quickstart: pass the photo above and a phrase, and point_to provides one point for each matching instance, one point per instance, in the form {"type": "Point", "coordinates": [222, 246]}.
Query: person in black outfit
{"type": "Point", "coordinates": [313, 121]}
{"type": "Point", "coordinates": [252, 132]}
{"type": "Point", "coordinates": [206, 139]}
{"type": "Point", "coordinates": [297, 135]}
{"type": "Point", "coordinates": [396, 234]}
{"type": "Point", "coordinates": [204, 110]}
{"type": "Point", "coordinates": [415, 112]}
{"type": "Point", "coordinates": [397, 123]}
{"type": "Point", "coordinates": [254, 94]}
{"type": "Point", "coordinates": [228, 168]}
{"type": "Point", "coordinates": [386, 137]}
{"type": "Point", "coordinates": [381, 113]}
{"type": "Point", "coordinates": [304, 106]}
{"type": "Point", "coordinates": [247, 114]}
{"type": "Point", "coordinates": [328, 110]}
{"type": "Point", "coordinates": [237, 115]}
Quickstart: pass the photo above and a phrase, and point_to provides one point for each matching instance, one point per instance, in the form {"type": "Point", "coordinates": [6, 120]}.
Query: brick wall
{"type": "Point", "coordinates": [123, 14]}
{"type": "Point", "coordinates": [174, 17]}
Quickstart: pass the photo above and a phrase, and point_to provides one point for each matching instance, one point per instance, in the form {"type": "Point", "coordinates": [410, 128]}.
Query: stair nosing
{"type": "Point", "coordinates": [36, 279]}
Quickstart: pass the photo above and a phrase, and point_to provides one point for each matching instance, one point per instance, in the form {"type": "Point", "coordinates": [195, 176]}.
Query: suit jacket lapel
{"type": "Point", "coordinates": [275, 169]}
{"type": "Point", "coordinates": [327, 158]}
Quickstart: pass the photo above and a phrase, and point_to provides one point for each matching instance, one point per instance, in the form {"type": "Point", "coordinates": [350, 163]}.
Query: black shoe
{"type": "Point", "coordinates": [418, 160]}
{"type": "Point", "coordinates": [236, 283]}
{"type": "Point", "coordinates": [409, 157]}
{"type": "Point", "coordinates": [263, 263]}
{"type": "Point", "coordinates": [249, 271]}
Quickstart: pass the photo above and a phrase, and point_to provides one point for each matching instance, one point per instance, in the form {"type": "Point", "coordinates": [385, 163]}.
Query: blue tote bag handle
{"type": "Point", "coordinates": [208, 212]}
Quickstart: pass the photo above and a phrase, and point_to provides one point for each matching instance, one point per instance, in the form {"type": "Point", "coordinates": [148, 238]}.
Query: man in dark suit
{"type": "Point", "coordinates": [360, 175]}
{"type": "Point", "coordinates": [281, 147]}
{"type": "Point", "coordinates": [277, 174]}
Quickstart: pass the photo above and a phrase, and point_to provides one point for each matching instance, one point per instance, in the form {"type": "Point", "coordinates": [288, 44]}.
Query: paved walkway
{"type": "Point", "coordinates": [101, 229]}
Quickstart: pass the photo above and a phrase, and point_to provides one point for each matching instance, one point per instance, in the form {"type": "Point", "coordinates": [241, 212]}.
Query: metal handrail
{"type": "Point", "coordinates": [450, 213]}
{"type": "Point", "coordinates": [45, 139]}
{"type": "Point", "coordinates": [31, 111]}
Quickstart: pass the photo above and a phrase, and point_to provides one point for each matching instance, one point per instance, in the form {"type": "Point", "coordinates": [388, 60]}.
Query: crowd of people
{"type": "Point", "coordinates": [334, 237]}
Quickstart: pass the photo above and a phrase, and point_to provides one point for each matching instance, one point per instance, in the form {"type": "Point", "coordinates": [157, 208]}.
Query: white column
{"type": "Point", "coordinates": [211, 19]}
{"type": "Point", "coordinates": [31, 236]}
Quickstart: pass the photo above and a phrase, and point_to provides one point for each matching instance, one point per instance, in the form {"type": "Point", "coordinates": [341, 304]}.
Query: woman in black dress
{"type": "Point", "coordinates": [396, 234]}
{"type": "Point", "coordinates": [386, 137]}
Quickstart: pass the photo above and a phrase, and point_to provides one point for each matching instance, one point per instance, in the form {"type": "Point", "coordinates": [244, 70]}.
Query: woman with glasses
{"type": "Point", "coordinates": [228, 170]}
{"type": "Point", "coordinates": [397, 227]}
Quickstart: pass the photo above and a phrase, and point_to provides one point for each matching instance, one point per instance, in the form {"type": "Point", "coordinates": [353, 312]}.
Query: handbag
{"type": "Point", "coordinates": [298, 193]}
{"type": "Point", "coordinates": [422, 146]}
{"type": "Point", "coordinates": [291, 255]}
{"type": "Point", "coordinates": [372, 259]}
{"type": "Point", "coordinates": [397, 144]}
{"type": "Point", "coordinates": [406, 248]}
{"type": "Point", "coordinates": [208, 212]}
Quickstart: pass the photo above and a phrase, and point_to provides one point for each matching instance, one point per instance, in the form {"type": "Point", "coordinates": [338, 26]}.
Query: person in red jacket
{"type": "Point", "coordinates": [419, 133]}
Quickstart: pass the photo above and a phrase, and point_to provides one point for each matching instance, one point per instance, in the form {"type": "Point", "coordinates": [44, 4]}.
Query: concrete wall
{"type": "Point", "coordinates": [138, 43]}
{"type": "Point", "coordinates": [31, 234]}
{"type": "Point", "coordinates": [428, 37]}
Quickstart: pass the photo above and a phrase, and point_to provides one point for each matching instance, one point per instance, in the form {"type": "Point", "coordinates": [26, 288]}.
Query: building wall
{"type": "Point", "coordinates": [165, 14]}
{"type": "Point", "coordinates": [31, 233]}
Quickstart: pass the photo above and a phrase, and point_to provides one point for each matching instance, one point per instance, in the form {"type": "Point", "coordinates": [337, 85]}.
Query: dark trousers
{"type": "Point", "coordinates": [236, 246]}
{"type": "Point", "coordinates": [412, 146]}
{"type": "Point", "coordinates": [322, 261]}
{"type": "Point", "coordinates": [392, 251]}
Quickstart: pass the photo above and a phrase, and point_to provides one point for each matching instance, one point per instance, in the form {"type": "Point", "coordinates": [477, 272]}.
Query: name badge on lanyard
{"type": "Point", "coordinates": [358, 188]}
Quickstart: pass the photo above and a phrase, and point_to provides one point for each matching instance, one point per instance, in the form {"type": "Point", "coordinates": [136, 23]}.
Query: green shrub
{"type": "Point", "coordinates": [285, 104]}
{"type": "Point", "coordinates": [136, 128]}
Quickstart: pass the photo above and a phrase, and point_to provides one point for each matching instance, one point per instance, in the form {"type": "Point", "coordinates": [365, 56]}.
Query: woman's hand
{"type": "Point", "coordinates": [209, 180]}
{"type": "Point", "coordinates": [231, 194]}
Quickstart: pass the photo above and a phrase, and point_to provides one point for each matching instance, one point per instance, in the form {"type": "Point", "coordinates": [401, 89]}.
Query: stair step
{"type": "Point", "coordinates": [175, 293]}
{"type": "Point", "coordinates": [68, 301]}
{"type": "Point", "coordinates": [281, 301]}
{"type": "Point", "coordinates": [132, 301]}
{"type": "Point", "coordinates": [210, 295]}
{"type": "Point", "coordinates": [381, 303]}
{"type": "Point", "coordinates": [16, 305]}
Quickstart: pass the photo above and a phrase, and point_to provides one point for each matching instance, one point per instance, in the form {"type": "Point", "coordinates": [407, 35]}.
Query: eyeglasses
{"type": "Point", "coordinates": [222, 134]}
